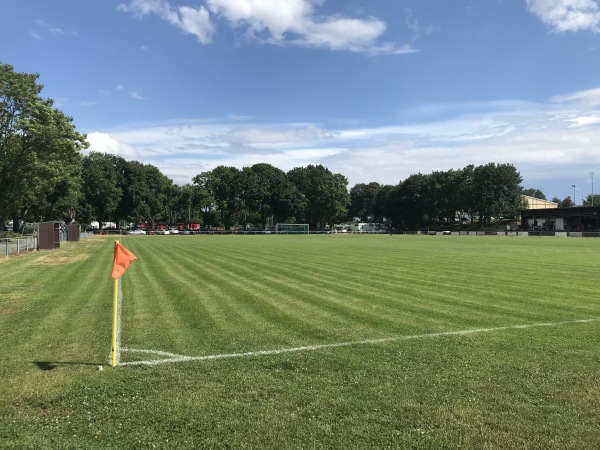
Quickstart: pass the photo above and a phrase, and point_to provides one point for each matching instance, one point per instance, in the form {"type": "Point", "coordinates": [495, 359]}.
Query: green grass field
{"type": "Point", "coordinates": [448, 342]}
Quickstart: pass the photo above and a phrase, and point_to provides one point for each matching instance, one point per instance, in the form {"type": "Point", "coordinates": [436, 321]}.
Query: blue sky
{"type": "Point", "coordinates": [374, 89]}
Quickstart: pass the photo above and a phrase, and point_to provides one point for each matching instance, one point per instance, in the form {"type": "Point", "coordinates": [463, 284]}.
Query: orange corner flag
{"type": "Point", "coordinates": [123, 258]}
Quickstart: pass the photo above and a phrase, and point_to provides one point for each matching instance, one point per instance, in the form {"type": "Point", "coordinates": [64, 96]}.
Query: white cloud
{"type": "Point", "coordinates": [190, 20]}
{"type": "Point", "coordinates": [584, 121]}
{"type": "Point", "coordinates": [137, 94]}
{"type": "Point", "coordinates": [589, 98]}
{"type": "Point", "coordinates": [552, 144]}
{"type": "Point", "coordinates": [289, 22]}
{"type": "Point", "coordinates": [567, 15]}
{"type": "Point", "coordinates": [104, 143]}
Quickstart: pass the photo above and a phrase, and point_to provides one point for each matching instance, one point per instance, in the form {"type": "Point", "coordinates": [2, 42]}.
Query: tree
{"type": "Point", "coordinates": [189, 204]}
{"type": "Point", "coordinates": [148, 195]}
{"type": "Point", "coordinates": [222, 186]}
{"type": "Point", "coordinates": [404, 203]}
{"type": "Point", "coordinates": [532, 192]}
{"type": "Point", "coordinates": [592, 200]}
{"type": "Point", "coordinates": [325, 194]}
{"type": "Point", "coordinates": [40, 157]}
{"type": "Point", "coordinates": [379, 209]}
{"type": "Point", "coordinates": [102, 181]}
{"type": "Point", "coordinates": [567, 202]}
{"type": "Point", "coordinates": [497, 191]}
{"type": "Point", "coordinates": [363, 199]}
{"type": "Point", "coordinates": [267, 193]}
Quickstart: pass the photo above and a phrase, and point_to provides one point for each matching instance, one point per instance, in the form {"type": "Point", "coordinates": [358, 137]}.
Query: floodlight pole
{"type": "Point", "coordinates": [574, 200]}
{"type": "Point", "coordinates": [592, 175]}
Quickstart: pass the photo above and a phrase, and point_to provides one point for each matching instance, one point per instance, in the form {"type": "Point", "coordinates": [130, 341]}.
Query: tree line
{"type": "Point", "coordinates": [44, 175]}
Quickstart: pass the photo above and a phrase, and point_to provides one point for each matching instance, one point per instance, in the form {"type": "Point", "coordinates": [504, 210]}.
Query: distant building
{"type": "Point", "coordinates": [578, 218]}
{"type": "Point", "coordinates": [538, 203]}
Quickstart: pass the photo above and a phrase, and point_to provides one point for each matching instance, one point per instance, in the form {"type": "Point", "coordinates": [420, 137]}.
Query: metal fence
{"type": "Point", "coordinates": [11, 246]}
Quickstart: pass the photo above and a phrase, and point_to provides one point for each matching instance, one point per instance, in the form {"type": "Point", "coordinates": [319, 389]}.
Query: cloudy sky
{"type": "Point", "coordinates": [374, 89]}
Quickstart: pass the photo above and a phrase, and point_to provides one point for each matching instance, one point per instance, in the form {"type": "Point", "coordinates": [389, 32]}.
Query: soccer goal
{"type": "Point", "coordinates": [291, 228]}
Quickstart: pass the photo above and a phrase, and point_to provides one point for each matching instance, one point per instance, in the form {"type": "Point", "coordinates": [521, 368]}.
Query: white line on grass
{"type": "Point", "coordinates": [174, 357]}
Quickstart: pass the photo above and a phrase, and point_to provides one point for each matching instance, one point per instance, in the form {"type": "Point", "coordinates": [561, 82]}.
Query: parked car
{"type": "Point", "coordinates": [138, 231]}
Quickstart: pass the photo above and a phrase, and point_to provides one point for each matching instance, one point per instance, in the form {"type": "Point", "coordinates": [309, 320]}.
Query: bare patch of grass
{"type": "Point", "coordinates": [52, 259]}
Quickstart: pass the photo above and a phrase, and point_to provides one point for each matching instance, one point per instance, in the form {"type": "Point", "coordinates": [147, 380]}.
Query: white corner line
{"type": "Point", "coordinates": [173, 357]}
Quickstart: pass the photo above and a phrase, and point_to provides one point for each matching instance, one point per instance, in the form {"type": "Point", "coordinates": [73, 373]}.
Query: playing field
{"type": "Point", "coordinates": [335, 341]}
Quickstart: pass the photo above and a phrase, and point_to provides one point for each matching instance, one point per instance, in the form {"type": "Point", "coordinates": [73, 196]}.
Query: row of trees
{"type": "Point", "coordinates": [114, 189]}
{"type": "Point", "coordinates": [44, 176]}
{"type": "Point", "coordinates": [118, 190]}
{"type": "Point", "coordinates": [488, 191]}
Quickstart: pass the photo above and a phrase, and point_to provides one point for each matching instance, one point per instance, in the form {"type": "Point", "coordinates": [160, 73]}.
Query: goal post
{"type": "Point", "coordinates": [291, 228]}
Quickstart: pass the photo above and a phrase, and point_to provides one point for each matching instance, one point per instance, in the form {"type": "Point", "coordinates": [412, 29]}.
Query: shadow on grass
{"type": "Point", "coordinates": [51, 365]}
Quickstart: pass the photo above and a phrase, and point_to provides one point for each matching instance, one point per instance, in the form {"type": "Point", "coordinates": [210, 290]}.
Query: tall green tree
{"type": "Point", "coordinates": [363, 199]}
{"type": "Point", "coordinates": [405, 203]}
{"type": "Point", "coordinates": [102, 187]}
{"type": "Point", "coordinates": [325, 194]}
{"type": "Point", "coordinates": [267, 193]}
{"type": "Point", "coordinates": [222, 185]}
{"type": "Point", "coordinates": [532, 192]}
{"type": "Point", "coordinates": [497, 191]}
{"type": "Point", "coordinates": [148, 195]}
{"type": "Point", "coordinates": [566, 202]}
{"type": "Point", "coordinates": [592, 200]}
{"type": "Point", "coordinates": [40, 159]}
{"type": "Point", "coordinates": [380, 208]}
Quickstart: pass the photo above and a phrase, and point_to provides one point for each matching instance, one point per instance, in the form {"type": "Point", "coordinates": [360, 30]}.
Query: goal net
{"type": "Point", "coordinates": [291, 228]}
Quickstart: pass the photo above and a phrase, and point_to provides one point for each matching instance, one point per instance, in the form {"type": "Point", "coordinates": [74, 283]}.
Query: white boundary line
{"type": "Point", "coordinates": [174, 357]}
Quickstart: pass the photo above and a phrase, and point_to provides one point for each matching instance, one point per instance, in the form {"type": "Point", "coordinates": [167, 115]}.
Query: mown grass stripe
{"type": "Point", "coordinates": [176, 358]}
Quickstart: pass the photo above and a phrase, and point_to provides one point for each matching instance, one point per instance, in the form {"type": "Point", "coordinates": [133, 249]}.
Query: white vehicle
{"type": "Point", "coordinates": [138, 231]}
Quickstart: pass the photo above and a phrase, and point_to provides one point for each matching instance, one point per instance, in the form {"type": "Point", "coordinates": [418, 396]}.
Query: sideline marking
{"type": "Point", "coordinates": [174, 357]}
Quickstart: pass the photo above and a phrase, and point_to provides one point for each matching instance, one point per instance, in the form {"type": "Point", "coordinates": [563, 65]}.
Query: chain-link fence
{"type": "Point", "coordinates": [11, 246]}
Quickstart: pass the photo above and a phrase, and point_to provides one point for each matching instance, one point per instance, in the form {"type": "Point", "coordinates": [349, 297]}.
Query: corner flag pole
{"type": "Point", "coordinates": [114, 320]}
{"type": "Point", "coordinates": [122, 259]}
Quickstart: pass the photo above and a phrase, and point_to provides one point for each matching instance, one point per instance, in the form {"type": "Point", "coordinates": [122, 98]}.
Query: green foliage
{"type": "Point", "coordinates": [498, 191]}
{"type": "Point", "coordinates": [268, 192]}
{"type": "Point", "coordinates": [363, 200]}
{"type": "Point", "coordinates": [40, 160]}
{"type": "Point", "coordinates": [149, 196]}
{"type": "Point", "coordinates": [325, 195]}
{"type": "Point", "coordinates": [102, 185]}
{"type": "Point", "coordinates": [223, 186]}
{"type": "Point", "coordinates": [567, 202]}
{"type": "Point", "coordinates": [532, 192]}
{"type": "Point", "coordinates": [487, 191]}
{"type": "Point", "coordinates": [592, 200]}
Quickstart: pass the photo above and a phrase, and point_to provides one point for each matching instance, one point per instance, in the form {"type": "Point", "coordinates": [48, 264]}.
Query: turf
{"type": "Point", "coordinates": [428, 386]}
